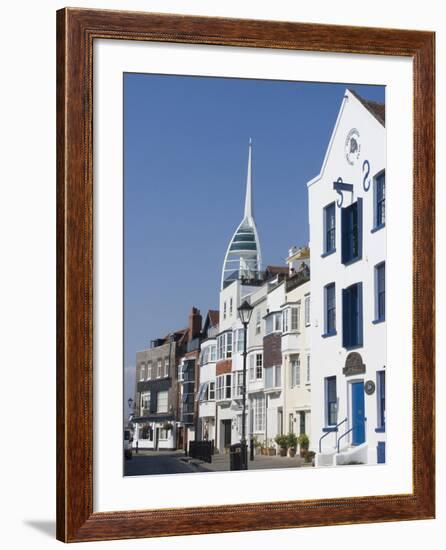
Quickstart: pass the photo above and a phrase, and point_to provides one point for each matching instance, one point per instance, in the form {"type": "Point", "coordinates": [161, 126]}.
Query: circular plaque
{"type": "Point", "coordinates": [369, 387]}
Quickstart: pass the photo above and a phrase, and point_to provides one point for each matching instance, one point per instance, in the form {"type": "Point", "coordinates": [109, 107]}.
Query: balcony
{"type": "Point", "coordinates": [298, 279]}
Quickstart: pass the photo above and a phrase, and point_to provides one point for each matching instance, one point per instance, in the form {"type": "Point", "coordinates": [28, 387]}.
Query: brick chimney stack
{"type": "Point", "coordinates": [194, 323]}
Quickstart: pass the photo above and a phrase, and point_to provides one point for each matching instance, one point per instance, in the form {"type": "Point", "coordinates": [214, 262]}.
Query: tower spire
{"type": "Point", "coordinates": [248, 199]}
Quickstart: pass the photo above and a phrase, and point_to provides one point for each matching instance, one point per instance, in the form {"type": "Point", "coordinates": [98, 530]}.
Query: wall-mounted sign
{"type": "Point", "coordinates": [353, 364]}
{"type": "Point", "coordinates": [369, 387]}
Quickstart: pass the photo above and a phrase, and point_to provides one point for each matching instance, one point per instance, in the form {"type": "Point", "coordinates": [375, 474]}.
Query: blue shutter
{"type": "Point", "coordinates": [345, 218]}
{"type": "Point", "coordinates": [359, 228]}
{"type": "Point", "coordinates": [360, 316]}
{"type": "Point", "coordinates": [345, 317]}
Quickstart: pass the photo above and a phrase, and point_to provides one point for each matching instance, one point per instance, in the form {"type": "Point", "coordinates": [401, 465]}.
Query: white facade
{"type": "Point", "coordinates": [348, 333]}
{"type": "Point", "coordinates": [296, 352]}
{"type": "Point", "coordinates": [206, 391]}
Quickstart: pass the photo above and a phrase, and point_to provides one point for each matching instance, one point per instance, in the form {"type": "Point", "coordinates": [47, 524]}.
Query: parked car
{"type": "Point", "coordinates": [128, 444]}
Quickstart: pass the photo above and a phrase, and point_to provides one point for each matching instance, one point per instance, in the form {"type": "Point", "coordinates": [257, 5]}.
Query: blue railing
{"type": "Point", "coordinates": [334, 429]}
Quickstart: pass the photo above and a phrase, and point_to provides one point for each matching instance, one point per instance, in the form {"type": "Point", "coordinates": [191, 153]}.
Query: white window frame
{"type": "Point", "coordinates": [295, 377]}
{"type": "Point", "coordinates": [145, 395]}
{"type": "Point", "coordinates": [149, 370]}
{"type": "Point", "coordinates": [158, 408]}
{"type": "Point", "coordinates": [166, 367]}
{"type": "Point", "coordinates": [258, 365]}
{"type": "Point", "coordinates": [307, 310]}
{"type": "Point", "coordinates": [258, 409]}
{"type": "Point", "coordinates": [308, 369]}
{"type": "Point", "coordinates": [159, 368]}
{"type": "Point", "coordinates": [142, 372]}
{"type": "Point", "coordinates": [258, 321]}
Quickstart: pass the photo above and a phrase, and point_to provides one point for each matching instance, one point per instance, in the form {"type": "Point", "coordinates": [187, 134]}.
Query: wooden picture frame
{"type": "Point", "coordinates": [76, 31]}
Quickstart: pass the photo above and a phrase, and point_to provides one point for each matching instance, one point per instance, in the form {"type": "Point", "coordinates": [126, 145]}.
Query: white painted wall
{"type": "Point", "coordinates": [328, 353]}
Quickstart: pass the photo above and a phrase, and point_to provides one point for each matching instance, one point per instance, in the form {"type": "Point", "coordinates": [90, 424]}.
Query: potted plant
{"type": "Point", "coordinates": [258, 446]}
{"type": "Point", "coordinates": [282, 441]}
{"type": "Point", "coordinates": [167, 426]}
{"type": "Point", "coordinates": [292, 444]}
{"type": "Point", "coordinates": [304, 443]}
{"type": "Point", "coordinates": [271, 450]}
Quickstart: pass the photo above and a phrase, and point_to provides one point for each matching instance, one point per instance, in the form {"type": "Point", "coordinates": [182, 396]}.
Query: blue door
{"type": "Point", "coordinates": [358, 413]}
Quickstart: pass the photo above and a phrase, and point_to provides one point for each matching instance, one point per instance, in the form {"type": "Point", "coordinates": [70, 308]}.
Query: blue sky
{"type": "Point", "coordinates": [185, 161]}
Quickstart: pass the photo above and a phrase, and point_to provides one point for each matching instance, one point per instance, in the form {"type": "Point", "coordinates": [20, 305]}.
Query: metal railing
{"type": "Point", "coordinates": [335, 429]}
{"type": "Point", "coordinates": [338, 443]}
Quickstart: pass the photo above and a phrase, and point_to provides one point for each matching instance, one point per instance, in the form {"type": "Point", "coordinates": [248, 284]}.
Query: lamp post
{"type": "Point", "coordinates": [245, 312]}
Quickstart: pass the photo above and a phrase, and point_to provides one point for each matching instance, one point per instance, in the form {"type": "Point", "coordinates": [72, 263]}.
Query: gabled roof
{"type": "Point", "coordinates": [378, 110]}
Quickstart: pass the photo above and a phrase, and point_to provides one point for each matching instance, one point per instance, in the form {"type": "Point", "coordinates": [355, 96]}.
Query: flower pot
{"type": "Point", "coordinates": [292, 452]}
{"type": "Point", "coordinates": [282, 451]}
{"type": "Point", "coordinates": [271, 451]}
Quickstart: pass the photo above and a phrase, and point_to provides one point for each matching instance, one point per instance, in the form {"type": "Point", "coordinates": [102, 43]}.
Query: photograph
{"type": "Point", "coordinates": [254, 269]}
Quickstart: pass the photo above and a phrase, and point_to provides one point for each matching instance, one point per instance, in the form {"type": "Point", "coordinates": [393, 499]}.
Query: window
{"type": "Point", "coordinates": [161, 404]}
{"type": "Point", "coordinates": [258, 321]}
{"type": "Point", "coordinates": [295, 370]}
{"type": "Point", "coordinates": [142, 372]}
{"type": "Point", "coordinates": [273, 377]}
{"type": "Point", "coordinates": [278, 375]}
{"type": "Point", "coordinates": [223, 386]}
{"type": "Point", "coordinates": [352, 316]}
{"type": "Point", "coordinates": [145, 432]}
{"type": "Point", "coordinates": [329, 228]}
{"type": "Point", "coordinates": [211, 393]}
{"type": "Point", "coordinates": [258, 408]}
{"type": "Point", "coordinates": [331, 403]}
{"type": "Point", "coordinates": [307, 311]}
{"type": "Point", "coordinates": [224, 346]}
{"type": "Point", "coordinates": [159, 369]}
{"type": "Point", "coordinates": [259, 366]}
{"type": "Point", "coordinates": [180, 373]}
{"type": "Point", "coordinates": [295, 318]}
{"type": "Point", "coordinates": [149, 370]}
{"type": "Point", "coordinates": [286, 313]}
{"type": "Point", "coordinates": [163, 433]}
{"type": "Point", "coordinates": [273, 323]}
{"type": "Point", "coordinates": [330, 309]}
{"type": "Point", "coordinates": [212, 353]}
{"type": "Point", "coordinates": [380, 200]}
{"type": "Point", "coordinates": [228, 345]}
{"type": "Point", "coordinates": [166, 366]}
{"type": "Point", "coordinates": [290, 423]}
{"type": "Point", "coordinates": [380, 292]}
{"type": "Point", "coordinates": [224, 310]}
{"type": "Point", "coordinates": [255, 366]}
{"type": "Point", "coordinates": [352, 232]}
{"type": "Point", "coordinates": [381, 398]}
{"type": "Point", "coordinates": [145, 403]}
{"type": "Point", "coordinates": [308, 369]}
{"type": "Point", "coordinates": [230, 307]}
{"type": "Point", "coordinates": [237, 384]}
{"type": "Point", "coordinates": [239, 338]}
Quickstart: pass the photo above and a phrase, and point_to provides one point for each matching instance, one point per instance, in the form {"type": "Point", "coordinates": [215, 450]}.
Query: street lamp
{"type": "Point", "coordinates": [245, 312]}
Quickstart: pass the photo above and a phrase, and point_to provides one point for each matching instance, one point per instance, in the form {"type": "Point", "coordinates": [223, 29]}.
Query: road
{"type": "Point", "coordinates": [165, 463]}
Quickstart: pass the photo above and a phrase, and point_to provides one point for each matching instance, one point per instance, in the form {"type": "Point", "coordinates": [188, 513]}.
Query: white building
{"type": "Point", "coordinates": [348, 253]}
{"type": "Point", "coordinates": [207, 365]}
{"type": "Point", "coordinates": [296, 349]}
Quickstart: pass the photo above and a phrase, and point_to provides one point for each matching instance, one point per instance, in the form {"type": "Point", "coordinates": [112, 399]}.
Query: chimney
{"type": "Point", "coordinates": [194, 323]}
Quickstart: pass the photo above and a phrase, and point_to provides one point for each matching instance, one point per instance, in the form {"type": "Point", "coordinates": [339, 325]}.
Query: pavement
{"type": "Point", "coordinates": [220, 463]}
{"type": "Point", "coordinates": [147, 462]}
